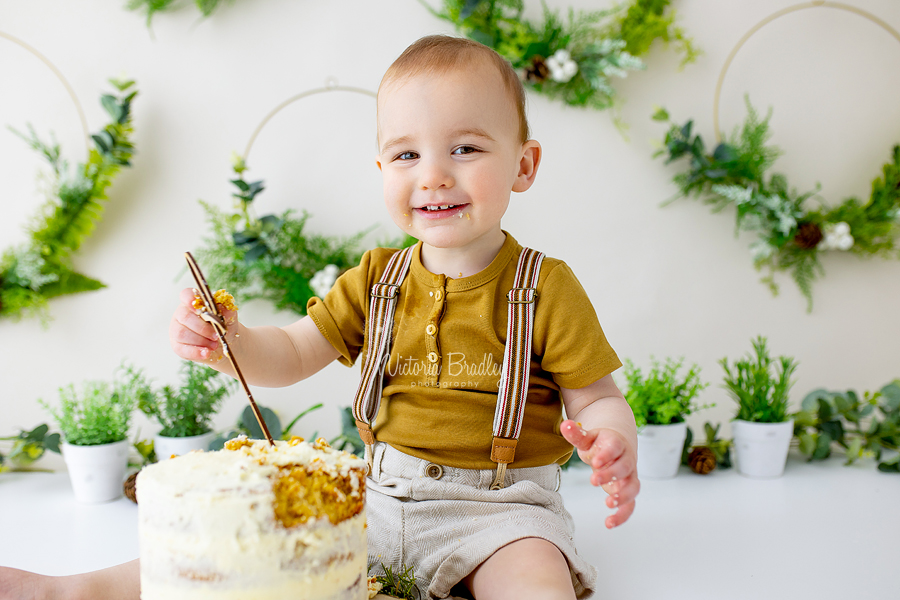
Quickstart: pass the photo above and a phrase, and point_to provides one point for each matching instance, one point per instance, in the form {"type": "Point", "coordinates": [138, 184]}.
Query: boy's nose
{"type": "Point", "coordinates": [435, 175]}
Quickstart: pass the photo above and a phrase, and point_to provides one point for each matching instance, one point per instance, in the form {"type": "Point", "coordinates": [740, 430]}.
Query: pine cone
{"type": "Point", "coordinates": [702, 460]}
{"type": "Point", "coordinates": [537, 71]}
{"type": "Point", "coordinates": [130, 487]}
{"type": "Point", "coordinates": [808, 235]}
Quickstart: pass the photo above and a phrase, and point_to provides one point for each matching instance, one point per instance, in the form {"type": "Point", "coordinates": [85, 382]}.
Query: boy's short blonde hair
{"type": "Point", "coordinates": [442, 53]}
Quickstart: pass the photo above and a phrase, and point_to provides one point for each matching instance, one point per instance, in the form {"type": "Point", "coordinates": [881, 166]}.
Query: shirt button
{"type": "Point", "coordinates": [432, 357]}
{"type": "Point", "coordinates": [438, 295]}
{"type": "Point", "coordinates": [431, 329]}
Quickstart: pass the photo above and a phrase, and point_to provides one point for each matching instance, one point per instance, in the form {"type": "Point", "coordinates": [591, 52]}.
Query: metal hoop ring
{"type": "Point", "coordinates": [330, 86]}
{"type": "Point", "coordinates": [776, 15]}
{"type": "Point", "coordinates": [62, 79]}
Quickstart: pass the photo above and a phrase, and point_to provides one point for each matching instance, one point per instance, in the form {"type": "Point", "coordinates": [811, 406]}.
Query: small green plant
{"type": "Point", "coordinates": [27, 447]}
{"type": "Point", "coordinates": [101, 412]}
{"type": "Point", "coordinates": [188, 410]}
{"type": "Point", "coordinates": [721, 449]}
{"type": "Point", "coordinates": [862, 426]}
{"type": "Point", "coordinates": [400, 584]}
{"type": "Point", "coordinates": [662, 397]}
{"type": "Point", "coordinates": [760, 384]}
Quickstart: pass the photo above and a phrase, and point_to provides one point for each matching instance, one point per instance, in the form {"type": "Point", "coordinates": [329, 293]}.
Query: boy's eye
{"type": "Point", "coordinates": [408, 155]}
{"type": "Point", "coordinates": [465, 150]}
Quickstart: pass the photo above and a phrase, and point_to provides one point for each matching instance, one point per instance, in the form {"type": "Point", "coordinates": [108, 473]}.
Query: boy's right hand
{"type": "Point", "coordinates": [191, 337]}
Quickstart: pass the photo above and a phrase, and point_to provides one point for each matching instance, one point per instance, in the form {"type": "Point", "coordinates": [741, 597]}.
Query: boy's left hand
{"type": "Point", "coordinates": [613, 466]}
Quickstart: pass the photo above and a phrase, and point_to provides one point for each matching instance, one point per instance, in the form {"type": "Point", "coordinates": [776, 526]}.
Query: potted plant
{"type": "Point", "coordinates": [762, 429]}
{"type": "Point", "coordinates": [186, 413]}
{"type": "Point", "coordinates": [660, 402]}
{"type": "Point", "coordinates": [94, 424]}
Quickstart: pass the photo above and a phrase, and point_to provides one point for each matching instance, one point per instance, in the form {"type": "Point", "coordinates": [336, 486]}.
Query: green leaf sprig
{"type": "Point", "coordinates": [27, 447]}
{"type": "Point", "coordinates": [188, 410]}
{"type": "Point", "coordinates": [152, 7]}
{"type": "Point", "coordinates": [863, 426]}
{"type": "Point", "coordinates": [271, 257]}
{"type": "Point", "coordinates": [791, 234]}
{"type": "Point", "coordinates": [100, 413]}
{"type": "Point", "coordinates": [575, 60]}
{"type": "Point", "coordinates": [42, 268]}
{"type": "Point", "coordinates": [662, 397]}
{"type": "Point", "coordinates": [760, 384]}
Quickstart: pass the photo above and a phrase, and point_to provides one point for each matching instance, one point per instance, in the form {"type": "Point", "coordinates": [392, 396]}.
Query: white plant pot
{"type": "Point", "coordinates": [97, 472]}
{"type": "Point", "coordinates": [659, 450]}
{"type": "Point", "coordinates": [760, 449]}
{"type": "Point", "coordinates": [165, 447]}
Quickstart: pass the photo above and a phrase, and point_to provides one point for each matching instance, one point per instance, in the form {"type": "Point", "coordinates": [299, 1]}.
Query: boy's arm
{"type": "Point", "coordinates": [601, 427]}
{"type": "Point", "coordinates": [268, 356]}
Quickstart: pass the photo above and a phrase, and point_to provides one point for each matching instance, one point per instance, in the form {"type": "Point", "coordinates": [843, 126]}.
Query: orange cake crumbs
{"type": "Point", "coordinates": [321, 443]}
{"type": "Point", "coordinates": [221, 297]}
{"type": "Point", "coordinates": [302, 494]}
{"type": "Point", "coordinates": [295, 439]}
{"type": "Point", "coordinates": [238, 443]}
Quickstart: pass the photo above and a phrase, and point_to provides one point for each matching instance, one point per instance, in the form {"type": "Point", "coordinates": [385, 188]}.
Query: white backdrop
{"type": "Point", "coordinates": [666, 282]}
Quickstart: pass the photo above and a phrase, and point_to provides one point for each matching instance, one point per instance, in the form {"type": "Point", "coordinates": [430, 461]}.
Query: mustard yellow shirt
{"type": "Point", "coordinates": [441, 381]}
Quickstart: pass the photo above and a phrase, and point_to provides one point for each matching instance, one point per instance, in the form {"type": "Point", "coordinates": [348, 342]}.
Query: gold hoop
{"type": "Point", "coordinates": [329, 87]}
{"type": "Point", "coordinates": [62, 79]}
{"type": "Point", "coordinates": [776, 15]}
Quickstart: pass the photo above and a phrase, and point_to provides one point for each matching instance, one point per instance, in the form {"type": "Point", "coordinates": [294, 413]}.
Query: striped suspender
{"type": "Point", "coordinates": [380, 322]}
{"type": "Point", "coordinates": [516, 362]}
{"type": "Point", "coordinates": [516, 356]}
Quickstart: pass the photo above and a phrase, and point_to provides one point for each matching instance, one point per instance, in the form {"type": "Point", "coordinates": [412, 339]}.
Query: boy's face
{"type": "Point", "coordinates": [450, 156]}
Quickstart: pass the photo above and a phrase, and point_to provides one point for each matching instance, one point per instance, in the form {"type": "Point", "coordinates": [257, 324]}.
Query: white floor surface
{"type": "Point", "coordinates": [822, 531]}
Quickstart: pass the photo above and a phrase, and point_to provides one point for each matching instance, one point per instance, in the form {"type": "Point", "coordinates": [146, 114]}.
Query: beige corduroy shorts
{"type": "Point", "coordinates": [445, 521]}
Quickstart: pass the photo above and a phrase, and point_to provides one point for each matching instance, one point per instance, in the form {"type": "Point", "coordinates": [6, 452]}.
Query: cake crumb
{"type": "Point", "coordinates": [374, 586]}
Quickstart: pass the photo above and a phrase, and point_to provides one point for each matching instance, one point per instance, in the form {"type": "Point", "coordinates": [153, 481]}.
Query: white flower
{"type": "Point", "coordinates": [837, 237]}
{"type": "Point", "coordinates": [322, 282]}
{"type": "Point", "coordinates": [562, 67]}
{"type": "Point", "coordinates": [760, 250]}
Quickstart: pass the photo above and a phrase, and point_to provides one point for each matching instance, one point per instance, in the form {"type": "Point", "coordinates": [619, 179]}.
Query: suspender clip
{"type": "Point", "coordinates": [521, 295]}
{"type": "Point", "coordinates": [385, 290]}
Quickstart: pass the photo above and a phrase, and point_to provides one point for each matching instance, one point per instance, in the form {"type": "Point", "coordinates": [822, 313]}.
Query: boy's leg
{"type": "Point", "coordinates": [526, 568]}
{"type": "Point", "coordinates": [122, 582]}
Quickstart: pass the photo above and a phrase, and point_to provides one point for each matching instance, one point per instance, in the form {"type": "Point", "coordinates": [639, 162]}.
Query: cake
{"type": "Point", "coordinates": [253, 521]}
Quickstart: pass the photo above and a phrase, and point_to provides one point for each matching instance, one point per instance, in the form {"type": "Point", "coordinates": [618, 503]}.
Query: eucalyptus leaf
{"type": "Point", "coordinates": [248, 420]}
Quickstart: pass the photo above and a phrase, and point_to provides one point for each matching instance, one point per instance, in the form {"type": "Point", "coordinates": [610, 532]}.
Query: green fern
{"type": "Point", "coordinates": [69, 217]}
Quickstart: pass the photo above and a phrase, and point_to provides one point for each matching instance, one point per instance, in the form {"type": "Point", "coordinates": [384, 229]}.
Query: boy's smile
{"type": "Point", "coordinates": [450, 158]}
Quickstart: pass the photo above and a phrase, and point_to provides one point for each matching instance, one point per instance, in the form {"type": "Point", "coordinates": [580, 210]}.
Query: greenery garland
{"type": "Point", "coordinates": [41, 268]}
{"type": "Point", "coordinates": [573, 61]}
{"type": "Point", "coordinates": [271, 257]}
{"type": "Point", "coordinates": [792, 235]}
{"type": "Point", "coordinates": [151, 7]}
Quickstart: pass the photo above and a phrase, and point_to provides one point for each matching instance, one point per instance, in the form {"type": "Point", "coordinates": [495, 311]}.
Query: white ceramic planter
{"type": "Point", "coordinates": [760, 449]}
{"type": "Point", "coordinates": [96, 472]}
{"type": "Point", "coordinates": [659, 450]}
{"type": "Point", "coordinates": [165, 447]}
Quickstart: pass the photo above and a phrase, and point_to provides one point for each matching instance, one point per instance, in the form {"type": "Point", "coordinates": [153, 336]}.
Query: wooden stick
{"type": "Point", "coordinates": [214, 317]}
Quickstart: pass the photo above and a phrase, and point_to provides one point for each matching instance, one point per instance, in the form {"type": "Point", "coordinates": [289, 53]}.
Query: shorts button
{"type": "Point", "coordinates": [434, 471]}
{"type": "Point", "coordinates": [431, 329]}
{"type": "Point", "coordinates": [432, 357]}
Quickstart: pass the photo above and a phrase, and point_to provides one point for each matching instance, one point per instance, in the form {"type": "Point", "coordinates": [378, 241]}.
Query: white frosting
{"type": "Point", "coordinates": [208, 530]}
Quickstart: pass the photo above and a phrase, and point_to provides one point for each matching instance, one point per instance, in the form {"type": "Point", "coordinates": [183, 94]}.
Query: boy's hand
{"type": "Point", "coordinates": [613, 466]}
{"type": "Point", "coordinates": [191, 337]}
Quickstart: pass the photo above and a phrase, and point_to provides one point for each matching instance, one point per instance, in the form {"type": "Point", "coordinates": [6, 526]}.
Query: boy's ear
{"type": "Point", "coordinates": [528, 165]}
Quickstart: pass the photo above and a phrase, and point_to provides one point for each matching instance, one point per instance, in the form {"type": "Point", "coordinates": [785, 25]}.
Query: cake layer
{"type": "Point", "coordinates": [254, 521]}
